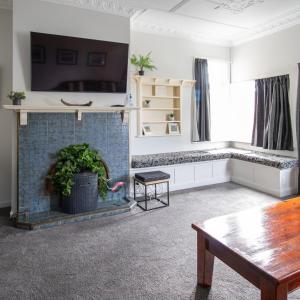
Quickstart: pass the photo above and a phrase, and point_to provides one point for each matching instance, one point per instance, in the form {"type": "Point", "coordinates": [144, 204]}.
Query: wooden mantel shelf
{"type": "Point", "coordinates": [24, 109]}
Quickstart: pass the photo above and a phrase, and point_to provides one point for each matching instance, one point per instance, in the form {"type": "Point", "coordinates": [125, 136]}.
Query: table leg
{"type": "Point", "coordinates": [270, 291]}
{"type": "Point", "coordinates": [205, 262]}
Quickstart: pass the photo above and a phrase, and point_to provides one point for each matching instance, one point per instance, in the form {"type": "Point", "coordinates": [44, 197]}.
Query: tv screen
{"type": "Point", "coordinates": [70, 64]}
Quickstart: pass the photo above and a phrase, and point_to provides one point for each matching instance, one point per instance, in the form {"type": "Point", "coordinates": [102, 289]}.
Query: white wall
{"type": "Point", "coordinates": [173, 58]}
{"type": "Point", "coordinates": [5, 117]}
{"type": "Point", "coordinates": [272, 55]}
{"type": "Point", "coordinates": [5, 54]}
{"type": "Point", "coordinates": [40, 16]}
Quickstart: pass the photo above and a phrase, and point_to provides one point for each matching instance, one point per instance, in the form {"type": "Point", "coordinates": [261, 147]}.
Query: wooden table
{"type": "Point", "coordinates": [261, 244]}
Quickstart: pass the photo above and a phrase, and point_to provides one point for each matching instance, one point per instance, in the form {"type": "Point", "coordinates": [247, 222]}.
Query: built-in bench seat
{"type": "Point", "coordinates": [273, 174]}
{"type": "Point", "coordinates": [173, 158]}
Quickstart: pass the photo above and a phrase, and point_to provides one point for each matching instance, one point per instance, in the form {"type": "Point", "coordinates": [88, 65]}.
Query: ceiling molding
{"type": "Point", "coordinates": [5, 4]}
{"type": "Point", "coordinates": [167, 31]}
{"type": "Point", "coordinates": [234, 6]}
{"type": "Point", "coordinates": [276, 25]}
{"type": "Point", "coordinates": [179, 5]}
{"type": "Point", "coordinates": [115, 7]}
{"type": "Point", "coordinates": [121, 8]}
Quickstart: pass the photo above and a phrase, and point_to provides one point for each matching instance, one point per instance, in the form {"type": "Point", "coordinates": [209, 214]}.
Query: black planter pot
{"type": "Point", "coordinates": [141, 73]}
{"type": "Point", "coordinates": [17, 102]}
{"type": "Point", "coordinates": [84, 195]}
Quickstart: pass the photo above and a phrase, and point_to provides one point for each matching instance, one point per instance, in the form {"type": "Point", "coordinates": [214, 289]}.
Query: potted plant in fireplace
{"type": "Point", "coordinates": [79, 176]}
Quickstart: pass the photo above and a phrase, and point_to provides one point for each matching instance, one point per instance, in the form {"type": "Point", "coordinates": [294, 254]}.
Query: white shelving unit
{"type": "Point", "coordinates": [165, 97]}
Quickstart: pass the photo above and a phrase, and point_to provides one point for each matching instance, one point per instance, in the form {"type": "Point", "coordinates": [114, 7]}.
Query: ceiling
{"type": "Point", "coordinates": [223, 22]}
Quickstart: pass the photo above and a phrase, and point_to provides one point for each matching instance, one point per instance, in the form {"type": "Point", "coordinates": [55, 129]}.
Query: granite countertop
{"type": "Point", "coordinates": [173, 158]}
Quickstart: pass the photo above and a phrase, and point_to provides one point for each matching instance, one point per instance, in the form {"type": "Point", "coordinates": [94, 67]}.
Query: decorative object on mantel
{"type": "Point", "coordinates": [75, 104]}
{"type": "Point", "coordinates": [77, 175]}
{"type": "Point", "coordinates": [16, 97]}
{"type": "Point", "coordinates": [142, 62]}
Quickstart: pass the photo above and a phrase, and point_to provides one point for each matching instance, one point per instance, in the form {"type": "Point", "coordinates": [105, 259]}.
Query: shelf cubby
{"type": "Point", "coordinates": [164, 97]}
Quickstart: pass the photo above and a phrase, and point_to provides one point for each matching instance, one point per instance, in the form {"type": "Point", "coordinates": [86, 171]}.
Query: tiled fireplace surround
{"type": "Point", "coordinates": [44, 135]}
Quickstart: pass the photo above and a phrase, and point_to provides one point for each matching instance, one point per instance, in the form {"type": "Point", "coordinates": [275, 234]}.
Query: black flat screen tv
{"type": "Point", "coordinates": [71, 64]}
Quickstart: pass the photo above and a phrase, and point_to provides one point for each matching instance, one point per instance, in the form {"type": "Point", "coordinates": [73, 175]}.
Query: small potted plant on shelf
{"type": "Point", "coordinates": [142, 63]}
{"type": "Point", "coordinates": [79, 176]}
{"type": "Point", "coordinates": [171, 117]}
{"type": "Point", "coordinates": [16, 97]}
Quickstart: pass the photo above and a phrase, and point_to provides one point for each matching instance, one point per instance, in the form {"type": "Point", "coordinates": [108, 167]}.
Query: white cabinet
{"type": "Point", "coordinates": [279, 183]}
{"type": "Point", "coordinates": [221, 168]}
{"type": "Point", "coordinates": [274, 181]}
{"type": "Point", "coordinates": [204, 172]}
{"type": "Point", "coordinates": [184, 176]}
{"type": "Point", "coordinates": [242, 171]}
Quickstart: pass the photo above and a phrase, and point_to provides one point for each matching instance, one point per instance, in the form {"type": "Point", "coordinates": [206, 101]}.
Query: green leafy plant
{"type": "Point", "coordinates": [16, 96]}
{"type": "Point", "coordinates": [75, 159]}
{"type": "Point", "coordinates": [143, 62]}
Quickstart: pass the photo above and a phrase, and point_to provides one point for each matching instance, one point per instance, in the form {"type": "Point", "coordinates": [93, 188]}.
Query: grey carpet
{"type": "Point", "coordinates": [140, 255]}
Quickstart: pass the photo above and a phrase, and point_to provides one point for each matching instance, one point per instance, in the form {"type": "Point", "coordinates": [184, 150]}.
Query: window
{"type": "Point", "coordinates": [242, 98]}
{"type": "Point", "coordinates": [219, 77]}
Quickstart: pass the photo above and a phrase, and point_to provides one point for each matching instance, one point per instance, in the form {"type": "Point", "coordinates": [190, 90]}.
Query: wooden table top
{"type": "Point", "coordinates": [267, 237]}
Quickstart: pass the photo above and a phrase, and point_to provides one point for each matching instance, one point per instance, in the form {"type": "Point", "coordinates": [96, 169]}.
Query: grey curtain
{"type": "Point", "coordinates": [272, 121]}
{"type": "Point", "coordinates": [201, 102]}
{"type": "Point", "coordinates": [298, 124]}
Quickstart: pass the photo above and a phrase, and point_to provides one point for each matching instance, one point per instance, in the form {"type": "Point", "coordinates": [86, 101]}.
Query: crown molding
{"type": "Point", "coordinates": [276, 25]}
{"type": "Point", "coordinates": [236, 6]}
{"type": "Point", "coordinates": [188, 35]}
{"type": "Point", "coordinates": [115, 7]}
{"type": "Point", "coordinates": [6, 4]}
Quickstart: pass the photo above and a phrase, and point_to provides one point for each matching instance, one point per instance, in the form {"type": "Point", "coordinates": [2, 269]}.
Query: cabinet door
{"type": "Point", "coordinates": [184, 175]}
{"type": "Point", "coordinates": [203, 172]}
{"type": "Point", "coordinates": [242, 171]}
{"type": "Point", "coordinates": [267, 178]}
{"type": "Point", "coordinates": [221, 169]}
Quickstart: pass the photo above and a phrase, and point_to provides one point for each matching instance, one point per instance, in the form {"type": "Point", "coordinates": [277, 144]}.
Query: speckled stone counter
{"type": "Point", "coordinates": [173, 158]}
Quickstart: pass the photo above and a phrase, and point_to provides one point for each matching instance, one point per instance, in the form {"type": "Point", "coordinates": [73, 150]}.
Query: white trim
{"type": "Point", "coordinates": [139, 26]}
{"type": "Point", "coordinates": [286, 21]}
{"type": "Point", "coordinates": [23, 110]}
{"type": "Point", "coordinates": [115, 7]}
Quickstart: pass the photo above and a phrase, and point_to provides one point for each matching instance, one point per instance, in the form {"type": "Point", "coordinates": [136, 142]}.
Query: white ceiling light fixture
{"type": "Point", "coordinates": [235, 6]}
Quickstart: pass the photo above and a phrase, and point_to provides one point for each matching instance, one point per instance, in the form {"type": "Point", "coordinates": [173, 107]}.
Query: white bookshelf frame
{"type": "Point", "coordinates": [166, 97]}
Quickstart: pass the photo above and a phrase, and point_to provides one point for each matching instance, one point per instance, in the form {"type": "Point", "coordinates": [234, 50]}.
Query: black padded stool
{"type": "Point", "coordinates": [151, 178]}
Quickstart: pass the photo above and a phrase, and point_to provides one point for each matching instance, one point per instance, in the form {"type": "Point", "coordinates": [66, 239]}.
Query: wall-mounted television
{"type": "Point", "coordinates": [71, 64]}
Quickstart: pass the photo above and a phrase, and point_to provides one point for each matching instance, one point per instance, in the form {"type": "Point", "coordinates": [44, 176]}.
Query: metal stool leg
{"type": "Point", "coordinates": [134, 191]}
{"type": "Point", "coordinates": [168, 192]}
{"type": "Point", "coordinates": [146, 197]}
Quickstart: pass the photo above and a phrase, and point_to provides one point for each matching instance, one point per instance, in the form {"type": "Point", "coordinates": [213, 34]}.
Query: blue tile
{"type": "Point", "coordinates": [45, 134]}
